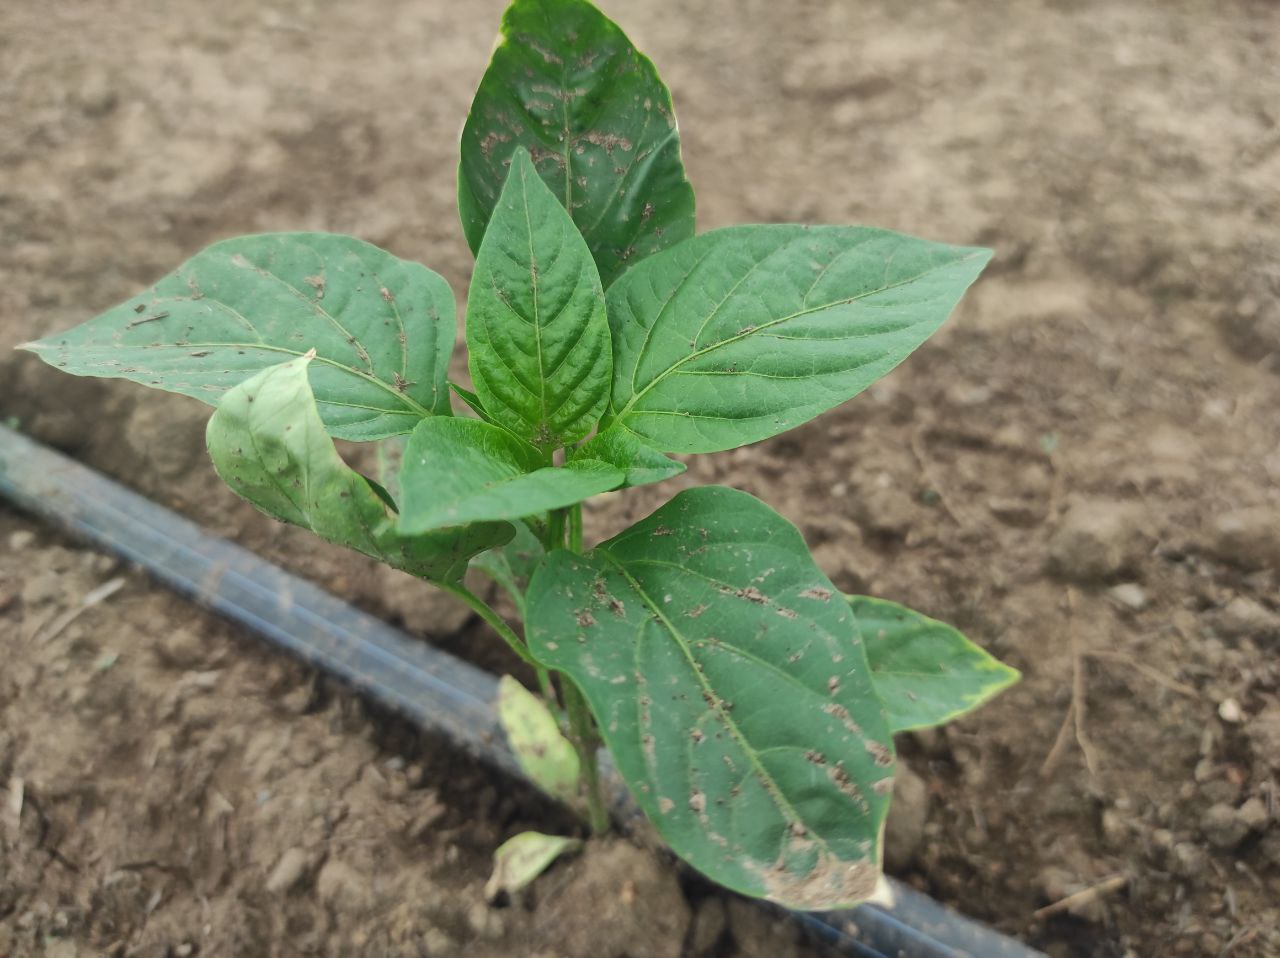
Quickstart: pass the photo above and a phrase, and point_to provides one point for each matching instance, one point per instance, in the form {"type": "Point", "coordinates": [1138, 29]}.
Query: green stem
{"type": "Point", "coordinates": [587, 743]}
{"type": "Point", "coordinates": [575, 528]}
{"type": "Point", "coordinates": [555, 529]}
{"type": "Point", "coordinates": [482, 609]}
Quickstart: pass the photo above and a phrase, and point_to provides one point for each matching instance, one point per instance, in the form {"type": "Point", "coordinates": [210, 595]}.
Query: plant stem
{"type": "Point", "coordinates": [587, 742]}
{"type": "Point", "coordinates": [575, 528]}
{"type": "Point", "coordinates": [482, 609]}
{"type": "Point", "coordinates": [555, 529]}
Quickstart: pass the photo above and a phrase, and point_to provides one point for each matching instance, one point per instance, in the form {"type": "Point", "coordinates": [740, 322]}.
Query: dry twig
{"type": "Point", "coordinates": [1075, 717]}
{"type": "Point", "coordinates": [1082, 898]}
{"type": "Point", "coordinates": [926, 469]}
{"type": "Point", "coordinates": [91, 598]}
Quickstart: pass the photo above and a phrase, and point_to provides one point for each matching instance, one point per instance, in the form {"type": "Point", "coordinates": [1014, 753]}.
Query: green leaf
{"type": "Point", "coordinates": [924, 671]}
{"type": "Point", "coordinates": [536, 328]}
{"type": "Point", "coordinates": [566, 84]}
{"type": "Point", "coordinates": [546, 756]}
{"type": "Point", "coordinates": [472, 401]}
{"type": "Point", "coordinates": [641, 462]}
{"type": "Point", "coordinates": [465, 470]}
{"type": "Point", "coordinates": [745, 332]}
{"type": "Point", "coordinates": [731, 688]}
{"type": "Point", "coordinates": [512, 565]}
{"type": "Point", "coordinates": [382, 329]}
{"type": "Point", "coordinates": [269, 445]}
{"type": "Point", "coordinates": [519, 860]}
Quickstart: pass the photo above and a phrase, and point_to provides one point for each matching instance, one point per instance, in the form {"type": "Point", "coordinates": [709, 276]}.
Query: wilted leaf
{"type": "Point", "coordinates": [269, 445]}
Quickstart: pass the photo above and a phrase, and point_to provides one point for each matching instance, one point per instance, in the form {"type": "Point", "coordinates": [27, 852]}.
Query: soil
{"type": "Point", "coordinates": [1080, 471]}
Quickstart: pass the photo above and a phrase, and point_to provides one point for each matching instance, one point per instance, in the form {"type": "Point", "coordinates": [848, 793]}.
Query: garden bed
{"type": "Point", "coordinates": [1094, 417]}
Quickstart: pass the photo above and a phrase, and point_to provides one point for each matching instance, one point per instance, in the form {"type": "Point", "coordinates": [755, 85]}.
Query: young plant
{"type": "Point", "coordinates": [749, 707]}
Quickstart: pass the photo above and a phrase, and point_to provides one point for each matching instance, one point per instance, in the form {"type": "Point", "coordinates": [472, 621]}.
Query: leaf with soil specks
{"type": "Point", "coordinates": [546, 756]}
{"type": "Point", "coordinates": [924, 671]}
{"type": "Point", "coordinates": [464, 470]}
{"type": "Point", "coordinates": [748, 331]}
{"type": "Point", "coordinates": [732, 690]}
{"type": "Point", "coordinates": [536, 329]}
{"type": "Point", "coordinates": [268, 444]}
{"type": "Point", "coordinates": [566, 84]}
{"type": "Point", "coordinates": [519, 860]}
{"type": "Point", "coordinates": [382, 329]}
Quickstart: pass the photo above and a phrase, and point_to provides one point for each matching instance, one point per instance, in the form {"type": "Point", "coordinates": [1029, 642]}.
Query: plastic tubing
{"type": "Point", "coordinates": [438, 692]}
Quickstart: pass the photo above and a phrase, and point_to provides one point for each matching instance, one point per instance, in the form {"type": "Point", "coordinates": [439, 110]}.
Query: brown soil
{"type": "Point", "coordinates": [1081, 471]}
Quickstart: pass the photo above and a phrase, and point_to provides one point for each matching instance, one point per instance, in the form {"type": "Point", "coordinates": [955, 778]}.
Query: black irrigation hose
{"type": "Point", "coordinates": [433, 689]}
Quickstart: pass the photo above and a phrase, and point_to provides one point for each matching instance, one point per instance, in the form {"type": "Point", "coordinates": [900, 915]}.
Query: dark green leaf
{"type": "Point", "coordinates": [641, 462]}
{"type": "Point", "coordinates": [465, 470]}
{"type": "Point", "coordinates": [536, 329]}
{"type": "Point", "coordinates": [745, 332]}
{"type": "Point", "coordinates": [567, 85]}
{"type": "Point", "coordinates": [269, 445]}
{"type": "Point", "coordinates": [732, 690]}
{"type": "Point", "coordinates": [924, 671]}
{"type": "Point", "coordinates": [382, 328]}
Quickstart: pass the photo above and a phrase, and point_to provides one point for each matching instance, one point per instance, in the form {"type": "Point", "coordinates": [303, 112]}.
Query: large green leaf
{"type": "Point", "coordinates": [382, 329]}
{"type": "Point", "coordinates": [641, 462]}
{"type": "Point", "coordinates": [269, 445]}
{"type": "Point", "coordinates": [536, 329]}
{"type": "Point", "coordinates": [729, 684]}
{"type": "Point", "coordinates": [745, 332]}
{"type": "Point", "coordinates": [466, 470]}
{"type": "Point", "coordinates": [566, 84]}
{"type": "Point", "coordinates": [924, 671]}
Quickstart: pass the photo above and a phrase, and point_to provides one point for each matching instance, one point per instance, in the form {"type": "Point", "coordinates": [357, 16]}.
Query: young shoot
{"type": "Point", "coordinates": [749, 707]}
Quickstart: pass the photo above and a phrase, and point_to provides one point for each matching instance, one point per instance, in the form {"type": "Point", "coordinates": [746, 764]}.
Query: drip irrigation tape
{"type": "Point", "coordinates": [436, 691]}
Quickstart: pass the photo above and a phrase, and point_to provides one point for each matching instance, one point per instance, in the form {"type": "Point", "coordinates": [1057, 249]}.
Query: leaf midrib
{"type": "Point", "coordinates": [404, 398]}
{"type": "Point", "coordinates": [726, 720]}
{"type": "Point", "coordinates": [661, 377]}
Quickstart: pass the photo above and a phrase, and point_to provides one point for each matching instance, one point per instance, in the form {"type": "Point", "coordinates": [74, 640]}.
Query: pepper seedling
{"type": "Point", "coordinates": [748, 705]}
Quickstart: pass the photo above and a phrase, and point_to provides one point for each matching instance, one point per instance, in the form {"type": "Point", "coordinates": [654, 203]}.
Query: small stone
{"type": "Point", "coordinates": [1229, 711]}
{"type": "Point", "coordinates": [288, 872]}
{"type": "Point", "coordinates": [1097, 540]}
{"type": "Point", "coordinates": [344, 889]}
{"type": "Point", "coordinates": [181, 649]}
{"type": "Point", "coordinates": [904, 833]}
{"type": "Point", "coordinates": [1253, 814]}
{"type": "Point", "coordinates": [1248, 537]}
{"type": "Point", "coordinates": [1129, 596]}
{"type": "Point", "coordinates": [1190, 861]}
{"type": "Point", "coordinates": [1114, 827]}
{"type": "Point", "coordinates": [1245, 618]}
{"type": "Point", "coordinates": [1221, 827]}
{"type": "Point", "coordinates": [21, 539]}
